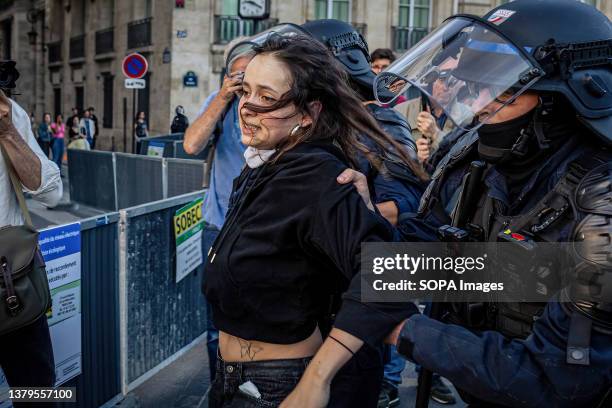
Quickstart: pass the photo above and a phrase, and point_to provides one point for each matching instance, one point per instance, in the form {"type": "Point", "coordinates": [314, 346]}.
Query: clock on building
{"type": "Point", "coordinates": [254, 9]}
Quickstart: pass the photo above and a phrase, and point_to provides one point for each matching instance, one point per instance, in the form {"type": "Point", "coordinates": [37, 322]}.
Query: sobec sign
{"type": "Point", "coordinates": [187, 218]}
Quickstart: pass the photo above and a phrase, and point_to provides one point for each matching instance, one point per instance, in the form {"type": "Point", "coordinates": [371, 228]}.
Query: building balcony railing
{"type": "Point", "coordinates": [77, 47]}
{"type": "Point", "coordinates": [139, 33]}
{"type": "Point", "coordinates": [105, 41]}
{"type": "Point", "coordinates": [229, 27]}
{"type": "Point", "coordinates": [55, 51]}
{"type": "Point", "coordinates": [404, 38]}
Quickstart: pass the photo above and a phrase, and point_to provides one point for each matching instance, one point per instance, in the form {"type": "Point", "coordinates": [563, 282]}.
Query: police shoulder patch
{"type": "Point", "coordinates": [501, 15]}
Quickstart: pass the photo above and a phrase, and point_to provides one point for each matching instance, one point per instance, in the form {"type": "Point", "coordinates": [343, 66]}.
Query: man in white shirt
{"type": "Point", "coordinates": [26, 356]}
{"type": "Point", "coordinates": [88, 128]}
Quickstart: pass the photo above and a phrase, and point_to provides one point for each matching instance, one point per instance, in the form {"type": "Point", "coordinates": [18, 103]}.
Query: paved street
{"type": "Point", "coordinates": [65, 212]}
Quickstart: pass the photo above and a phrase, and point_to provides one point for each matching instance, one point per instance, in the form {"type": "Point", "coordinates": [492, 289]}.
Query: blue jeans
{"type": "Point", "coordinates": [274, 379]}
{"type": "Point", "coordinates": [394, 365]}
{"type": "Point", "coordinates": [212, 334]}
{"type": "Point", "coordinates": [58, 152]}
{"type": "Point", "coordinates": [357, 383]}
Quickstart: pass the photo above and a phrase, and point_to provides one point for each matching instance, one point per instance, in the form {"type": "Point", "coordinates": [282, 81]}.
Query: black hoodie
{"type": "Point", "coordinates": [292, 238]}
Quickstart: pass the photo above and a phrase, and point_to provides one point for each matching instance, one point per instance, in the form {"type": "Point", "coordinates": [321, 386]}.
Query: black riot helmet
{"type": "Point", "coordinates": [555, 47]}
{"type": "Point", "coordinates": [572, 42]}
{"type": "Point", "coordinates": [348, 47]}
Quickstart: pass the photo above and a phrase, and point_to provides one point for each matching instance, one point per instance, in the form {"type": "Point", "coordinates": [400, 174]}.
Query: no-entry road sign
{"type": "Point", "coordinates": [135, 66]}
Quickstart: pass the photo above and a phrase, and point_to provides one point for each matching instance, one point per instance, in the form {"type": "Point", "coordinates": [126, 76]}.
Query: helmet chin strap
{"type": "Point", "coordinates": [501, 142]}
{"type": "Point", "coordinates": [500, 155]}
{"type": "Point", "coordinates": [543, 112]}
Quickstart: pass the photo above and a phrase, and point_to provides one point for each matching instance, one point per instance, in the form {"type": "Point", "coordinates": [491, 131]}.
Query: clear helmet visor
{"type": "Point", "coordinates": [246, 47]}
{"type": "Point", "coordinates": [464, 67]}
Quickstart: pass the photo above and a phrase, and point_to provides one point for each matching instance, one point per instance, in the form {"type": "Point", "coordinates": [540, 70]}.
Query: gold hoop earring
{"type": "Point", "coordinates": [294, 130]}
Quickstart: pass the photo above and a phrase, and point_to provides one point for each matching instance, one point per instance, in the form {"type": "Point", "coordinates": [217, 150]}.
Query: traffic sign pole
{"type": "Point", "coordinates": [124, 124]}
{"type": "Point", "coordinates": [134, 120]}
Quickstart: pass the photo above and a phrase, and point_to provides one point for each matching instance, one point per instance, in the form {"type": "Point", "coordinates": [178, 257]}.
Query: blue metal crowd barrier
{"type": "Point", "coordinates": [100, 378]}
{"type": "Point", "coordinates": [171, 145]}
{"type": "Point", "coordinates": [163, 316]}
{"type": "Point", "coordinates": [112, 181]}
{"type": "Point", "coordinates": [100, 310]}
{"type": "Point", "coordinates": [135, 318]}
{"type": "Point", "coordinates": [140, 179]}
{"type": "Point", "coordinates": [92, 178]}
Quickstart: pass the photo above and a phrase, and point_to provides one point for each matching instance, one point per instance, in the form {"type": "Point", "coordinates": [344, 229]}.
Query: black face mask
{"type": "Point", "coordinates": [500, 141]}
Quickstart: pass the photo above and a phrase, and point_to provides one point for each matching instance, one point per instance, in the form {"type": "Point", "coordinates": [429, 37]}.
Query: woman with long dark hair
{"type": "Point", "coordinates": [141, 128]}
{"type": "Point", "coordinates": [291, 242]}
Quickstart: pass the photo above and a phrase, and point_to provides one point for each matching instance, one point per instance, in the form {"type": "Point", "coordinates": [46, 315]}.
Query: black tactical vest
{"type": "Point", "coordinates": [551, 219]}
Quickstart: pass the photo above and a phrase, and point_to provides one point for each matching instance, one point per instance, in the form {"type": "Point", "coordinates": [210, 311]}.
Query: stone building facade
{"type": "Point", "coordinates": [69, 52]}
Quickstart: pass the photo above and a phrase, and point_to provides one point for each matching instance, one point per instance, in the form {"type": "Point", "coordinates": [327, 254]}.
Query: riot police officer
{"type": "Point", "coordinates": [539, 91]}
{"type": "Point", "coordinates": [399, 192]}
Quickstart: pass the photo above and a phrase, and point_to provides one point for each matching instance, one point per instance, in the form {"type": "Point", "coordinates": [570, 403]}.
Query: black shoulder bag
{"type": "Point", "coordinates": [24, 288]}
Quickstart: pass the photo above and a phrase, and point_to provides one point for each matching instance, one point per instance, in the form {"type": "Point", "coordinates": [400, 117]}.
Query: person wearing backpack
{"type": "Point", "coordinates": [180, 123]}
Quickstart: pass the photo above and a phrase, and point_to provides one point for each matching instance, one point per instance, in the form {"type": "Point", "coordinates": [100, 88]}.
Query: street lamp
{"type": "Point", "coordinates": [32, 17]}
{"type": "Point", "coordinates": [32, 35]}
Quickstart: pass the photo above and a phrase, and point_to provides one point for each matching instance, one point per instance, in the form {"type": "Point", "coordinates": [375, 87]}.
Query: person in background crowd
{"type": "Point", "coordinates": [180, 123]}
{"type": "Point", "coordinates": [292, 240]}
{"type": "Point", "coordinates": [75, 114]}
{"type": "Point", "coordinates": [87, 127]}
{"type": "Point", "coordinates": [58, 129]}
{"type": "Point", "coordinates": [141, 128]}
{"type": "Point", "coordinates": [93, 117]}
{"type": "Point", "coordinates": [217, 123]}
{"type": "Point", "coordinates": [381, 58]}
{"type": "Point", "coordinates": [74, 131]}
{"type": "Point", "coordinates": [26, 355]}
{"type": "Point", "coordinates": [76, 139]}
{"type": "Point", "coordinates": [429, 121]}
{"type": "Point", "coordinates": [45, 134]}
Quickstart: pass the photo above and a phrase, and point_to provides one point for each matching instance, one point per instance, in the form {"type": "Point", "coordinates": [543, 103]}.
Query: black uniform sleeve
{"type": "Point", "coordinates": [341, 223]}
